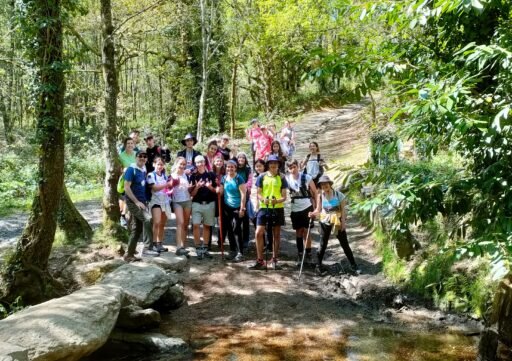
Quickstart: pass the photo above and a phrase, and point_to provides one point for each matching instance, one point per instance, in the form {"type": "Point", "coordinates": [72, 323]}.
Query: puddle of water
{"type": "Point", "coordinates": [364, 343]}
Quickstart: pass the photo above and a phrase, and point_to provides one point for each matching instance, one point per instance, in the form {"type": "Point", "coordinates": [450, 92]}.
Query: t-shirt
{"type": "Point", "coordinates": [298, 204]}
{"type": "Point", "coordinates": [254, 133]}
{"type": "Point", "coordinates": [159, 196]}
{"type": "Point", "coordinates": [180, 192]}
{"type": "Point", "coordinates": [333, 204]}
{"type": "Point", "coordinates": [313, 165]}
{"type": "Point", "coordinates": [204, 194]}
{"type": "Point", "coordinates": [271, 187]}
{"type": "Point", "coordinates": [137, 176]}
{"type": "Point", "coordinates": [263, 146]}
{"type": "Point", "coordinates": [225, 153]}
{"type": "Point", "coordinates": [127, 159]}
{"type": "Point", "coordinates": [232, 196]}
{"type": "Point", "coordinates": [152, 153]}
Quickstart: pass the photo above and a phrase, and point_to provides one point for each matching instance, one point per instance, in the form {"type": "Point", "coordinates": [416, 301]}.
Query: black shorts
{"type": "Point", "coordinates": [276, 215]}
{"type": "Point", "coordinates": [156, 206]}
{"type": "Point", "coordinates": [300, 219]}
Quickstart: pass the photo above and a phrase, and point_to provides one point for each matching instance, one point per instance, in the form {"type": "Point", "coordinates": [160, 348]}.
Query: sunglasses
{"type": "Point", "coordinates": [142, 156]}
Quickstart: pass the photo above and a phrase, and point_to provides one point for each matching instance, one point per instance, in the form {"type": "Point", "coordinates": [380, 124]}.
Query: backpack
{"type": "Point", "coordinates": [120, 183]}
{"type": "Point", "coordinates": [303, 189]}
{"type": "Point", "coordinates": [320, 167]}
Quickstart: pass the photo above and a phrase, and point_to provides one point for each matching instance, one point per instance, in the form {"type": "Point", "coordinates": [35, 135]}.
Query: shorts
{"type": "Point", "coordinates": [264, 214]}
{"type": "Point", "coordinates": [203, 213]}
{"type": "Point", "coordinates": [184, 204]}
{"type": "Point", "coordinates": [300, 219]}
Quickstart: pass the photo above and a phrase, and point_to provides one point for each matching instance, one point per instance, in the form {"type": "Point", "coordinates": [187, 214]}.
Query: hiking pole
{"type": "Point", "coordinates": [220, 227]}
{"type": "Point", "coordinates": [274, 251]}
{"type": "Point", "coordinates": [269, 227]}
{"type": "Point", "coordinates": [305, 242]}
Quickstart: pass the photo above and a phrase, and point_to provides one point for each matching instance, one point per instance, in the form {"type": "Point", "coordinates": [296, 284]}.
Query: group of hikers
{"type": "Point", "coordinates": [221, 188]}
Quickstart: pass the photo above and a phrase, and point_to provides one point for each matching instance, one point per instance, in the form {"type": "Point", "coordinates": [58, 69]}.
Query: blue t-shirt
{"type": "Point", "coordinates": [232, 197]}
{"type": "Point", "coordinates": [333, 204]}
{"type": "Point", "coordinates": [138, 178]}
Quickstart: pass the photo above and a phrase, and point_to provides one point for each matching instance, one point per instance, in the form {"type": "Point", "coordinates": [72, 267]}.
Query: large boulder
{"type": "Point", "coordinates": [143, 284]}
{"type": "Point", "coordinates": [10, 352]}
{"type": "Point", "coordinates": [172, 299]}
{"type": "Point", "coordinates": [91, 273]}
{"type": "Point", "coordinates": [66, 328]}
{"type": "Point", "coordinates": [168, 261]}
{"type": "Point", "coordinates": [502, 311]}
{"type": "Point", "coordinates": [151, 341]}
{"type": "Point", "coordinates": [135, 318]}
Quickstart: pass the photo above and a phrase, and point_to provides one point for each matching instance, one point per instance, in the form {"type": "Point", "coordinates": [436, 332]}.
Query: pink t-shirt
{"type": "Point", "coordinates": [254, 134]}
{"type": "Point", "coordinates": [262, 145]}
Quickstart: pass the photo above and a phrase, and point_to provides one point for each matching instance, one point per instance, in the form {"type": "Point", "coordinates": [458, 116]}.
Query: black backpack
{"type": "Point", "coordinates": [303, 189]}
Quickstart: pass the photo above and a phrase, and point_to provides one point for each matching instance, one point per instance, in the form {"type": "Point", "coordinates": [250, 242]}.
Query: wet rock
{"type": "Point", "coordinates": [143, 284]}
{"type": "Point", "coordinates": [172, 299]}
{"type": "Point", "coordinates": [10, 352]}
{"type": "Point", "coordinates": [151, 341]}
{"type": "Point", "coordinates": [66, 328]}
{"type": "Point", "coordinates": [169, 262]}
{"type": "Point", "coordinates": [135, 318]}
{"type": "Point", "coordinates": [91, 273]}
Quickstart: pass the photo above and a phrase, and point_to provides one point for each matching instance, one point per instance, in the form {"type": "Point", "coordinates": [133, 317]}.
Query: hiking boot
{"type": "Point", "coordinates": [355, 269]}
{"type": "Point", "coordinates": [274, 266]}
{"type": "Point", "coordinates": [320, 270]}
{"type": "Point", "coordinates": [206, 253]}
{"type": "Point", "coordinates": [259, 265]}
{"type": "Point", "coordinates": [182, 252]}
{"type": "Point", "coordinates": [239, 258]}
{"type": "Point", "coordinates": [160, 248]}
{"type": "Point", "coordinates": [131, 258]}
{"type": "Point", "coordinates": [199, 252]}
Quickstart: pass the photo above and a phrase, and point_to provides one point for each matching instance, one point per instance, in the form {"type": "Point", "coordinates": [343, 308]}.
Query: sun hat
{"type": "Point", "coordinates": [325, 179]}
{"type": "Point", "coordinates": [141, 151]}
{"type": "Point", "coordinates": [199, 158]}
{"type": "Point", "coordinates": [273, 158]}
{"type": "Point", "coordinates": [187, 137]}
{"type": "Point", "coordinates": [254, 120]}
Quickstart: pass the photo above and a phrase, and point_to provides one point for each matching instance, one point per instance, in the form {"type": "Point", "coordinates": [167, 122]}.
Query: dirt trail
{"type": "Point", "coordinates": [235, 313]}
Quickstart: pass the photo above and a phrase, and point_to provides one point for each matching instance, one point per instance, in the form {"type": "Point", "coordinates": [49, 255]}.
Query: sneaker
{"type": "Point", "coordinates": [259, 265]}
{"type": "Point", "coordinates": [320, 270]}
{"type": "Point", "coordinates": [355, 269]}
{"type": "Point", "coordinates": [199, 252]}
{"type": "Point", "coordinates": [206, 253]}
{"type": "Point", "coordinates": [230, 256]}
{"type": "Point", "coordinates": [182, 252]}
{"type": "Point", "coordinates": [160, 248]}
{"type": "Point", "coordinates": [131, 258]}
{"type": "Point", "coordinates": [274, 266]}
{"type": "Point", "coordinates": [150, 251]}
{"type": "Point", "coordinates": [239, 258]}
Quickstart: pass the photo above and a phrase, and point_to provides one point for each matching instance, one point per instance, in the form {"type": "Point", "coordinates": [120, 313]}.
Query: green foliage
{"type": "Point", "coordinates": [384, 147]}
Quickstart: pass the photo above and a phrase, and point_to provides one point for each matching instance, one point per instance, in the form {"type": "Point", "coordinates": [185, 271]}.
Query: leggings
{"type": "Point", "coordinates": [232, 227]}
{"type": "Point", "coordinates": [342, 237]}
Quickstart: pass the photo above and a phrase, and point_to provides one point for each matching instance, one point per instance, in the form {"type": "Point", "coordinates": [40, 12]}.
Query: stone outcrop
{"type": "Point", "coordinates": [65, 328]}
{"type": "Point", "coordinates": [91, 273]}
{"type": "Point", "coordinates": [168, 261]}
{"type": "Point", "coordinates": [143, 284]}
{"type": "Point", "coordinates": [135, 318]}
{"type": "Point", "coordinates": [10, 352]}
{"type": "Point", "coordinates": [151, 341]}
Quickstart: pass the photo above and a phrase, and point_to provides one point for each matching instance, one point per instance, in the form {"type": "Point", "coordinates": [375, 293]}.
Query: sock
{"type": "Point", "coordinates": [300, 244]}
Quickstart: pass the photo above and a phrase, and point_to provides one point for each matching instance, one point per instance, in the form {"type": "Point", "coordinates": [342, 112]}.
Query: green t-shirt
{"type": "Point", "coordinates": [127, 159]}
{"type": "Point", "coordinates": [271, 187]}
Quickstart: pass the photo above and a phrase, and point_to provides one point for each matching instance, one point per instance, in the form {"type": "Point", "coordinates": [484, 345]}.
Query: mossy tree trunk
{"type": "Point", "coordinates": [111, 212]}
{"type": "Point", "coordinates": [70, 221]}
{"type": "Point", "coordinates": [26, 273]}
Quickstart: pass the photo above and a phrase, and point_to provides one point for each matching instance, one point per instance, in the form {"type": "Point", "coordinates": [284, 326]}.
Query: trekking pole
{"type": "Point", "coordinates": [272, 229]}
{"type": "Point", "coordinates": [304, 245]}
{"type": "Point", "coordinates": [269, 234]}
{"type": "Point", "coordinates": [220, 227]}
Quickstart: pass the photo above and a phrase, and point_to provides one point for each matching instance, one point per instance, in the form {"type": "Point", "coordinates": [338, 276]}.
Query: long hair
{"type": "Point", "coordinates": [280, 153]}
{"type": "Point", "coordinates": [176, 162]}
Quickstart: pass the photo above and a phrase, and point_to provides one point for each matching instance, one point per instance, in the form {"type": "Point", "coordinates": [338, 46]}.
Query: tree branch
{"type": "Point", "coordinates": [79, 37]}
{"type": "Point", "coordinates": [140, 12]}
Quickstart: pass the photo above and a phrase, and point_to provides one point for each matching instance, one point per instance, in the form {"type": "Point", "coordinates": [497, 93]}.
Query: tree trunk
{"type": "Point", "coordinates": [111, 212]}
{"type": "Point", "coordinates": [26, 273]}
{"type": "Point", "coordinates": [6, 116]}
{"type": "Point", "coordinates": [205, 39]}
{"type": "Point", "coordinates": [70, 221]}
{"type": "Point", "coordinates": [232, 97]}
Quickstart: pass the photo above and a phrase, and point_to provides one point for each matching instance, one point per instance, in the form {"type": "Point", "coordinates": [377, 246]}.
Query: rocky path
{"type": "Point", "coordinates": [232, 313]}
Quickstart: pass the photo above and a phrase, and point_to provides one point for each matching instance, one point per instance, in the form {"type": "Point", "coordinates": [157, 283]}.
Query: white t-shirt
{"type": "Point", "coordinates": [313, 165]}
{"type": "Point", "coordinates": [180, 192]}
{"type": "Point", "coordinates": [298, 204]}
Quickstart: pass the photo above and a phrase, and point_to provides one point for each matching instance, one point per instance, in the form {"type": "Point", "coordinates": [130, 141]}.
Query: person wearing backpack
{"type": "Point", "coordinates": [159, 203]}
{"type": "Point", "coordinates": [272, 188]}
{"type": "Point", "coordinates": [135, 189]}
{"type": "Point", "coordinates": [234, 191]}
{"type": "Point", "coordinates": [304, 201]}
{"type": "Point", "coordinates": [333, 218]}
{"type": "Point", "coordinates": [153, 150]}
{"type": "Point", "coordinates": [189, 153]}
{"type": "Point", "coordinates": [313, 164]}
